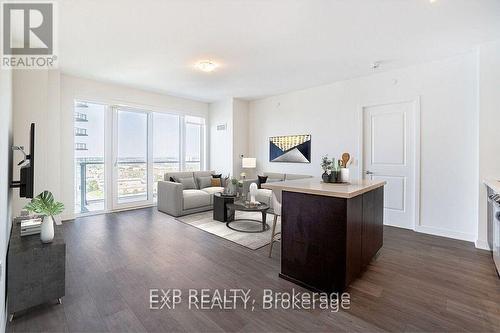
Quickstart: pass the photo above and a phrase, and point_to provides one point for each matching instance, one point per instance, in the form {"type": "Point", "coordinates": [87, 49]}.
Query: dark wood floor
{"type": "Point", "coordinates": [417, 283]}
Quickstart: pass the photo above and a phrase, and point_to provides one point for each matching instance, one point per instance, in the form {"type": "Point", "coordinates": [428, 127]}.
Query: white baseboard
{"type": "Point", "coordinates": [445, 233]}
{"type": "Point", "coordinates": [482, 244]}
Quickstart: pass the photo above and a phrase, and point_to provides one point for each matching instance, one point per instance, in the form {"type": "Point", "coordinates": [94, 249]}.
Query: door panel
{"type": "Point", "coordinates": [395, 191]}
{"type": "Point", "coordinates": [388, 138]}
{"type": "Point", "coordinates": [388, 132]}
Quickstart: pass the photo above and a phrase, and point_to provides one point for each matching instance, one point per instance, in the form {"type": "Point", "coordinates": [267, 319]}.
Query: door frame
{"type": "Point", "coordinates": [115, 205]}
{"type": "Point", "coordinates": [416, 153]}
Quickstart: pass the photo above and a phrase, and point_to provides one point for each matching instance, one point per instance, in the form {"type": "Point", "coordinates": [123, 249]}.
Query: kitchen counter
{"type": "Point", "coordinates": [493, 184]}
{"type": "Point", "coordinates": [329, 232]}
{"type": "Point", "coordinates": [317, 187]}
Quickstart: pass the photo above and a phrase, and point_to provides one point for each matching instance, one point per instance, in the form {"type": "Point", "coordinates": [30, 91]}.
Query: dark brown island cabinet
{"type": "Point", "coordinates": [330, 232]}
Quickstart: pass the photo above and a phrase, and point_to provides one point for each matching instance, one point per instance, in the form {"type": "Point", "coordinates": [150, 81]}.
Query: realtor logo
{"type": "Point", "coordinates": [28, 35]}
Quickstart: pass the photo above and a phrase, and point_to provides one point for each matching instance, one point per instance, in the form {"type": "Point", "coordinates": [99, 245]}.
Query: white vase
{"type": "Point", "coordinates": [253, 192]}
{"type": "Point", "coordinates": [47, 229]}
{"type": "Point", "coordinates": [344, 175]}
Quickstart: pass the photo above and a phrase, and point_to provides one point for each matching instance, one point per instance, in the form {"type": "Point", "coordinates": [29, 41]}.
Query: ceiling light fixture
{"type": "Point", "coordinates": [206, 66]}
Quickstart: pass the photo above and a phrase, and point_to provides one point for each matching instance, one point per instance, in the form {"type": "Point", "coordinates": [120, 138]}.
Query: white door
{"type": "Point", "coordinates": [389, 154]}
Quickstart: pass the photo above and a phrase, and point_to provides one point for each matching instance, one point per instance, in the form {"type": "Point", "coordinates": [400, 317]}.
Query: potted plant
{"type": "Point", "coordinates": [326, 164]}
{"type": "Point", "coordinates": [232, 185]}
{"type": "Point", "coordinates": [45, 204]}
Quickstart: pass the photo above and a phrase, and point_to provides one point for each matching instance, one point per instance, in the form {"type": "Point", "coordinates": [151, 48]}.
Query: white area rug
{"type": "Point", "coordinates": [253, 241]}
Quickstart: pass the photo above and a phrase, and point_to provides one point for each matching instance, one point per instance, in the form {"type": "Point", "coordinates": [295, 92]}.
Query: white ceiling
{"type": "Point", "coordinates": [265, 47]}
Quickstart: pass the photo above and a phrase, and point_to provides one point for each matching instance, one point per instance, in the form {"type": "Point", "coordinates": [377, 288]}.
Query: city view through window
{"type": "Point", "coordinates": [131, 181]}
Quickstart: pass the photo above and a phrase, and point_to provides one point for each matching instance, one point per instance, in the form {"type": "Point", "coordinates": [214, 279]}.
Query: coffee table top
{"type": "Point", "coordinates": [240, 205]}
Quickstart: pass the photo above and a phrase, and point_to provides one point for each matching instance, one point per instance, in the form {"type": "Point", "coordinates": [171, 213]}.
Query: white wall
{"type": "Point", "coordinates": [240, 138]}
{"type": "Point", "coordinates": [5, 192]}
{"type": "Point", "coordinates": [36, 99]}
{"type": "Point", "coordinates": [221, 143]}
{"type": "Point", "coordinates": [226, 147]}
{"type": "Point", "coordinates": [489, 122]}
{"type": "Point", "coordinates": [448, 91]}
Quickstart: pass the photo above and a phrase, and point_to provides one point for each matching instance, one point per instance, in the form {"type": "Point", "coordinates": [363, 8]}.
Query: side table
{"type": "Point", "coordinates": [220, 207]}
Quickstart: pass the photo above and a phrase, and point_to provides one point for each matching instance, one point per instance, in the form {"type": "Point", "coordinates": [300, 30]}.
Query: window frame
{"type": "Point", "coordinates": [110, 149]}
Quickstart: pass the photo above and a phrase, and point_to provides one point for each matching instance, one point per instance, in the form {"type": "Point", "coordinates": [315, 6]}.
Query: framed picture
{"type": "Point", "coordinates": [290, 148]}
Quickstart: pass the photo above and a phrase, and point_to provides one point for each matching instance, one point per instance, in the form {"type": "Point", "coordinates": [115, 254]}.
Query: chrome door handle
{"type": "Point", "coordinates": [368, 172]}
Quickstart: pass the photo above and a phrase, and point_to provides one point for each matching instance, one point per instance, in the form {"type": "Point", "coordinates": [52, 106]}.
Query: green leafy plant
{"type": "Point", "coordinates": [326, 163]}
{"type": "Point", "coordinates": [45, 204]}
{"type": "Point", "coordinates": [236, 182]}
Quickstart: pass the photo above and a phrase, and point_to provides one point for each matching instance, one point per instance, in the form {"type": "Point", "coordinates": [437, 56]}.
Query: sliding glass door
{"type": "Point", "coordinates": [131, 176]}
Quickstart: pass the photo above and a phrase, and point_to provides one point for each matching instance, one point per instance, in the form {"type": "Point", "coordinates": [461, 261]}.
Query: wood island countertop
{"type": "Point", "coordinates": [317, 187]}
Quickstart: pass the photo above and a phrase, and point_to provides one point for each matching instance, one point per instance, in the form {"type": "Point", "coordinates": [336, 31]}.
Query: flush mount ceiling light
{"type": "Point", "coordinates": [206, 65]}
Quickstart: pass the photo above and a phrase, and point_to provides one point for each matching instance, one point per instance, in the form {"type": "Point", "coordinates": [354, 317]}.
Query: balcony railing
{"type": "Point", "coordinates": [132, 183]}
{"type": "Point", "coordinates": [82, 117]}
{"type": "Point", "coordinates": [80, 131]}
{"type": "Point", "coordinates": [80, 146]}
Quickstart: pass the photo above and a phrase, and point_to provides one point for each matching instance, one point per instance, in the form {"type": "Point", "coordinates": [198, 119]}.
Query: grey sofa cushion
{"type": "Point", "coordinates": [187, 183]}
{"type": "Point", "coordinates": [175, 175]}
{"type": "Point", "coordinates": [203, 174]}
{"type": "Point", "coordinates": [195, 199]}
{"type": "Point", "coordinates": [204, 182]}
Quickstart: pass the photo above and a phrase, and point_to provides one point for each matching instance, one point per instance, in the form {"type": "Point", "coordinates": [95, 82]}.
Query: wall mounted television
{"type": "Point", "coordinates": [27, 171]}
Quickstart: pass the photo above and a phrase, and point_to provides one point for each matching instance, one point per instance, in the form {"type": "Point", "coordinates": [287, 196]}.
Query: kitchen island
{"type": "Point", "coordinates": [330, 232]}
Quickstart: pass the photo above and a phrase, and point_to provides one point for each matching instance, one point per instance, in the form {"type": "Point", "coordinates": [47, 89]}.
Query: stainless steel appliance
{"type": "Point", "coordinates": [494, 200]}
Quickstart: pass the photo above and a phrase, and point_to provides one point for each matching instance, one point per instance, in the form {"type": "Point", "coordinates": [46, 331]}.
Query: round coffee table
{"type": "Point", "coordinates": [240, 206]}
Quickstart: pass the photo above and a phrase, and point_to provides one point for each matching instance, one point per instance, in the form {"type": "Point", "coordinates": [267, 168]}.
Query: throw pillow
{"type": "Point", "coordinates": [217, 176]}
{"type": "Point", "coordinates": [188, 183]}
{"type": "Point", "coordinates": [172, 180]}
{"type": "Point", "coordinates": [204, 182]}
{"type": "Point", "coordinates": [216, 182]}
{"type": "Point", "coordinates": [261, 180]}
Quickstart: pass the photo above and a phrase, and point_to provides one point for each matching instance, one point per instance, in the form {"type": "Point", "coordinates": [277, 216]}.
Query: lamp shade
{"type": "Point", "coordinates": [249, 162]}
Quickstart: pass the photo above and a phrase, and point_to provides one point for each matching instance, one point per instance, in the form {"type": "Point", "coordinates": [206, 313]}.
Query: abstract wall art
{"type": "Point", "coordinates": [290, 148]}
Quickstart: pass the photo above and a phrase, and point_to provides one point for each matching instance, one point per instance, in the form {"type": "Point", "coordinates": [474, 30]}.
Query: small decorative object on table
{"type": "Point", "coordinates": [232, 185]}
{"type": "Point", "coordinates": [253, 192]}
{"type": "Point", "coordinates": [335, 172]}
{"type": "Point", "coordinates": [326, 166]}
{"type": "Point", "coordinates": [45, 205]}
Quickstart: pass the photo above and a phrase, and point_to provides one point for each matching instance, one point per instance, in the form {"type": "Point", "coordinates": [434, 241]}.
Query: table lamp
{"type": "Point", "coordinates": [248, 163]}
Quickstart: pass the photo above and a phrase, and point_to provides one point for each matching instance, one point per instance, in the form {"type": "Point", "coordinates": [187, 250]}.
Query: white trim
{"type": "Point", "coordinates": [482, 244]}
{"type": "Point", "coordinates": [416, 156]}
{"type": "Point", "coordinates": [445, 233]}
{"type": "Point", "coordinates": [417, 160]}
{"type": "Point", "coordinates": [69, 217]}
